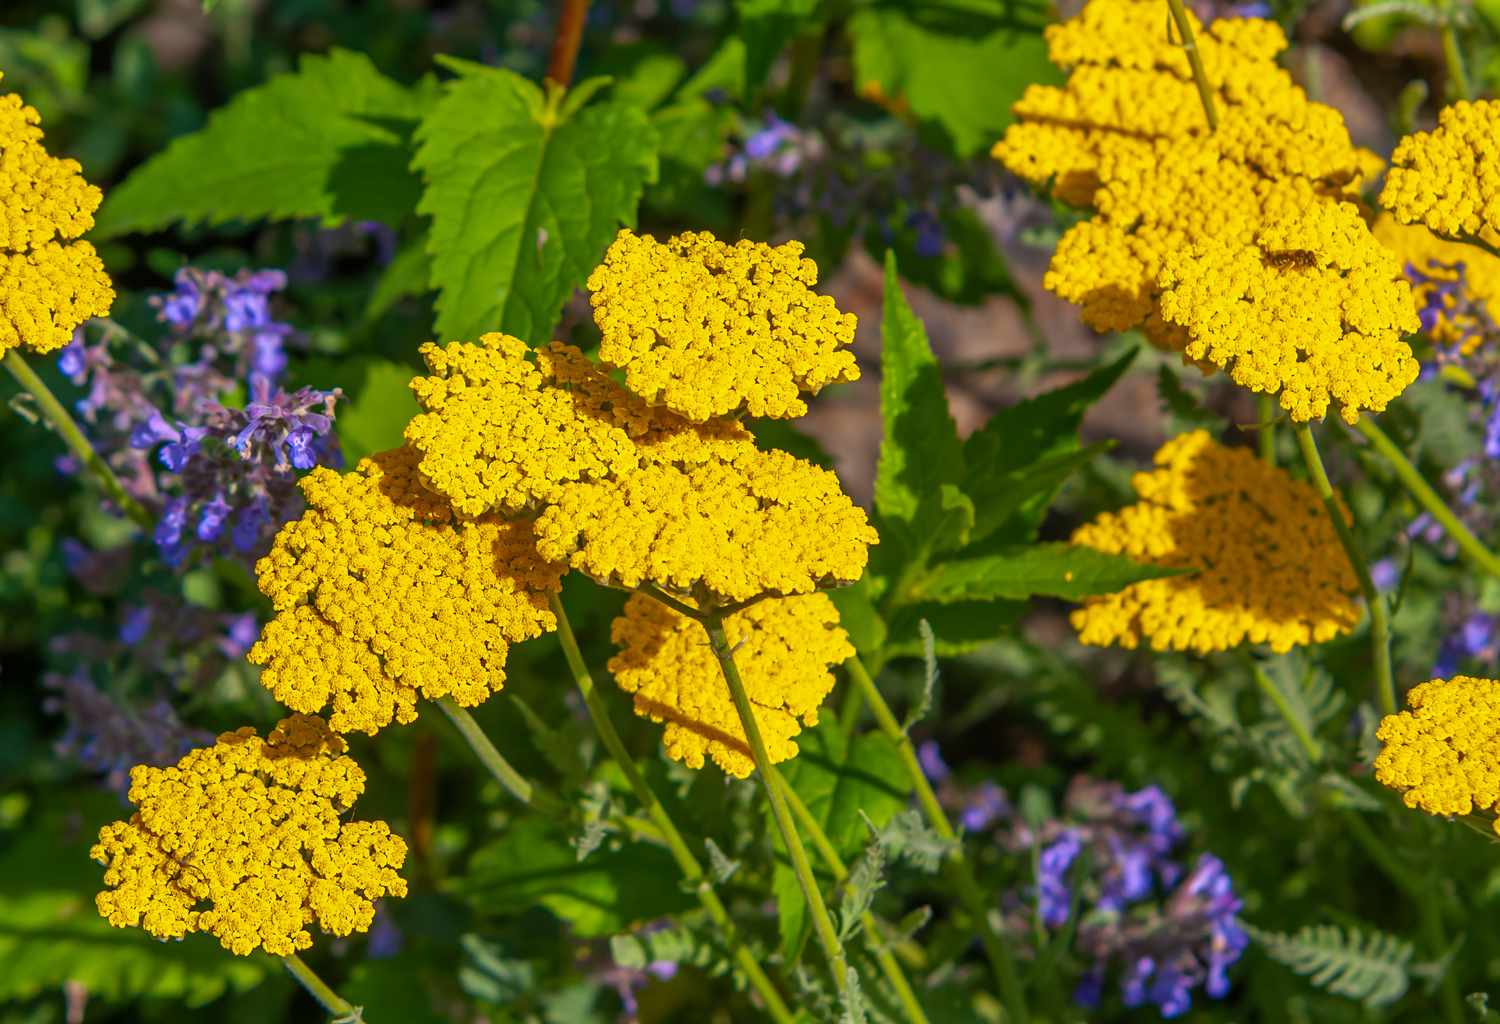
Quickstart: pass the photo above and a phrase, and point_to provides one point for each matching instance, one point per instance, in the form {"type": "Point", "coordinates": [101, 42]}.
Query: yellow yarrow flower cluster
{"type": "Point", "coordinates": [1443, 754]}
{"type": "Point", "coordinates": [1127, 135]}
{"type": "Point", "coordinates": [247, 840]}
{"type": "Point", "coordinates": [783, 648]}
{"type": "Point", "coordinates": [383, 595]}
{"type": "Point", "coordinates": [1449, 178]}
{"type": "Point", "coordinates": [1440, 259]}
{"type": "Point", "coordinates": [48, 285]}
{"type": "Point", "coordinates": [709, 329]}
{"type": "Point", "coordinates": [1268, 567]}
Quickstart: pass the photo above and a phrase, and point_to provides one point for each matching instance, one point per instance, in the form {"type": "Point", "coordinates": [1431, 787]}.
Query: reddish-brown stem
{"type": "Point", "coordinates": [566, 40]}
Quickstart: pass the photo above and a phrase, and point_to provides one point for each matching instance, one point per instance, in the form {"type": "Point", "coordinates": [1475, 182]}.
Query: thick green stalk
{"type": "Point", "coordinates": [1380, 629]}
{"type": "Point", "coordinates": [957, 865]}
{"type": "Point", "coordinates": [68, 430]}
{"type": "Point", "coordinates": [662, 821]}
{"type": "Point", "coordinates": [341, 1008]}
{"type": "Point", "coordinates": [1195, 61]}
{"type": "Point", "coordinates": [828, 937]}
{"type": "Point", "coordinates": [1480, 556]}
{"type": "Point", "coordinates": [883, 956]}
{"type": "Point", "coordinates": [516, 784]}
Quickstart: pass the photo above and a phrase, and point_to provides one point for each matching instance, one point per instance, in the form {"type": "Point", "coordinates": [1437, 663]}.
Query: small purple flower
{"type": "Point", "coordinates": [1053, 896]}
{"type": "Point", "coordinates": [133, 628]}
{"type": "Point", "coordinates": [931, 760]}
{"type": "Point", "coordinates": [1385, 575]}
{"type": "Point", "coordinates": [72, 360]}
{"type": "Point", "coordinates": [211, 519]}
{"type": "Point", "coordinates": [240, 634]}
{"type": "Point", "coordinates": [983, 807]}
{"type": "Point", "coordinates": [182, 305]}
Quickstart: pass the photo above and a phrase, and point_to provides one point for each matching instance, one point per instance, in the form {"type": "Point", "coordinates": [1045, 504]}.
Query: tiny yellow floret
{"type": "Point", "coordinates": [1268, 567]}
{"type": "Point", "coordinates": [711, 329]}
{"type": "Point", "coordinates": [1443, 754]}
{"type": "Point", "coordinates": [1445, 262]}
{"type": "Point", "coordinates": [48, 284]}
{"type": "Point", "coordinates": [248, 841]}
{"type": "Point", "coordinates": [783, 647]}
{"type": "Point", "coordinates": [382, 595]}
{"type": "Point", "coordinates": [1449, 178]}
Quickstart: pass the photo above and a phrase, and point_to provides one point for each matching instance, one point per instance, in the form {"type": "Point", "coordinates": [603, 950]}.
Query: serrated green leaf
{"type": "Point", "coordinates": [957, 628]}
{"type": "Point", "coordinates": [1052, 570]}
{"type": "Point", "coordinates": [376, 408]}
{"type": "Point", "coordinates": [330, 141]}
{"type": "Point", "coordinates": [1181, 404]}
{"type": "Point", "coordinates": [1036, 436]}
{"type": "Point", "coordinates": [859, 616]}
{"type": "Point", "coordinates": [839, 780]}
{"type": "Point", "coordinates": [614, 888]}
{"type": "Point", "coordinates": [1371, 966]}
{"type": "Point", "coordinates": [958, 65]}
{"type": "Point", "coordinates": [51, 932]}
{"type": "Point", "coordinates": [523, 200]}
{"type": "Point", "coordinates": [920, 453]}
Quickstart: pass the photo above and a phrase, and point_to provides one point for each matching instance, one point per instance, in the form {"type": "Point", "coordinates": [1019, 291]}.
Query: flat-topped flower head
{"type": "Point", "coordinates": [1449, 178]}
{"type": "Point", "coordinates": [1443, 753]}
{"type": "Point", "coordinates": [382, 595]}
{"type": "Point", "coordinates": [1268, 564]}
{"type": "Point", "coordinates": [1314, 310]}
{"type": "Point", "coordinates": [715, 519]}
{"type": "Point", "coordinates": [783, 648]}
{"type": "Point", "coordinates": [48, 284]}
{"type": "Point", "coordinates": [708, 329]}
{"type": "Point", "coordinates": [249, 841]}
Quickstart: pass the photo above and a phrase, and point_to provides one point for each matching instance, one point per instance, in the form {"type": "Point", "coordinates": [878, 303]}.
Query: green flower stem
{"type": "Point", "coordinates": [883, 956]}
{"type": "Point", "coordinates": [688, 864]}
{"type": "Point", "coordinates": [1459, 87]}
{"type": "Point", "coordinates": [1195, 61]}
{"type": "Point", "coordinates": [1380, 629]}
{"type": "Point", "coordinates": [335, 1004]}
{"type": "Point", "coordinates": [1481, 557]}
{"type": "Point", "coordinates": [74, 439]}
{"type": "Point", "coordinates": [514, 783]}
{"type": "Point", "coordinates": [1267, 429]}
{"type": "Point", "coordinates": [956, 864]}
{"type": "Point", "coordinates": [828, 937]}
{"type": "Point", "coordinates": [1305, 739]}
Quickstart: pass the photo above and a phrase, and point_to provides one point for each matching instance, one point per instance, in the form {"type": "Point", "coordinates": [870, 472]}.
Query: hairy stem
{"type": "Point", "coordinates": [320, 990]}
{"type": "Point", "coordinates": [1480, 556]}
{"type": "Point", "coordinates": [828, 937]}
{"type": "Point", "coordinates": [1305, 739]}
{"type": "Point", "coordinates": [957, 865]}
{"type": "Point", "coordinates": [883, 955]}
{"type": "Point", "coordinates": [662, 822]}
{"type": "Point", "coordinates": [566, 40]}
{"type": "Point", "coordinates": [73, 437]}
{"type": "Point", "coordinates": [1380, 630]}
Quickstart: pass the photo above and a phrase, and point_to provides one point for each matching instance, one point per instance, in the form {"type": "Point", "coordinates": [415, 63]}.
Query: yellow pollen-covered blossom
{"type": "Point", "coordinates": [1268, 564]}
{"type": "Point", "coordinates": [1443, 754]}
{"type": "Point", "coordinates": [1315, 310]}
{"type": "Point", "coordinates": [382, 595]}
{"type": "Point", "coordinates": [1449, 178]}
{"type": "Point", "coordinates": [783, 648]}
{"type": "Point", "coordinates": [48, 284]}
{"type": "Point", "coordinates": [247, 840]}
{"type": "Point", "coordinates": [1440, 260]}
{"type": "Point", "coordinates": [709, 329]}
{"type": "Point", "coordinates": [717, 519]}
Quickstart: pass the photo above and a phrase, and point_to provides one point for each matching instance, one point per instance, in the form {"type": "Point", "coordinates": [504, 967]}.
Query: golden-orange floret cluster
{"type": "Point", "coordinates": [1443, 754]}
{"type": "Point", "coordinates": [248, 841]}
{"type": "Point", "coordinates": [783, 647]}
{"type": "Point", "coordinates": [1267, 564]}
{"type": "Point", "coordinates": [1127, 135]}
{"type": "Point", "coordinates": [48, 284]}
{"type": "Point", "coordinates": [709, 329]}
{"type": "Point", "coordinates": [1451, 268]}
{"type": "Point", "coordinates": [383, 595]}
{"type": "Point", "coordinates": [626, 492]}
{"type": "Point", "coordinates": [1449, 178]}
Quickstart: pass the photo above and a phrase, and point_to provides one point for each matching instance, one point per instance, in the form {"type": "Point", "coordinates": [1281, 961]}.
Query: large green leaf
{"type": "Point", "coordinates": [1053, 570]}
{"type": "Point", "coordinates": [921, 458]}
{"type": "Point", "coordinates": [839, 780]}
{"type": "Point", "coordinates": [331, 141]}
{"type": "Point", "coordinates": [1019, 458]}
{"type": "Point", "coordinates": [375, 413]}
{"type": "Point", "coordinates": [524, 192]}
{"type": "Point", "coordinates": [957, 64]}
{"type": "Point", "coordinates": [51, 932]}
{"type": "Point", "coordinates": [604, 893]}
